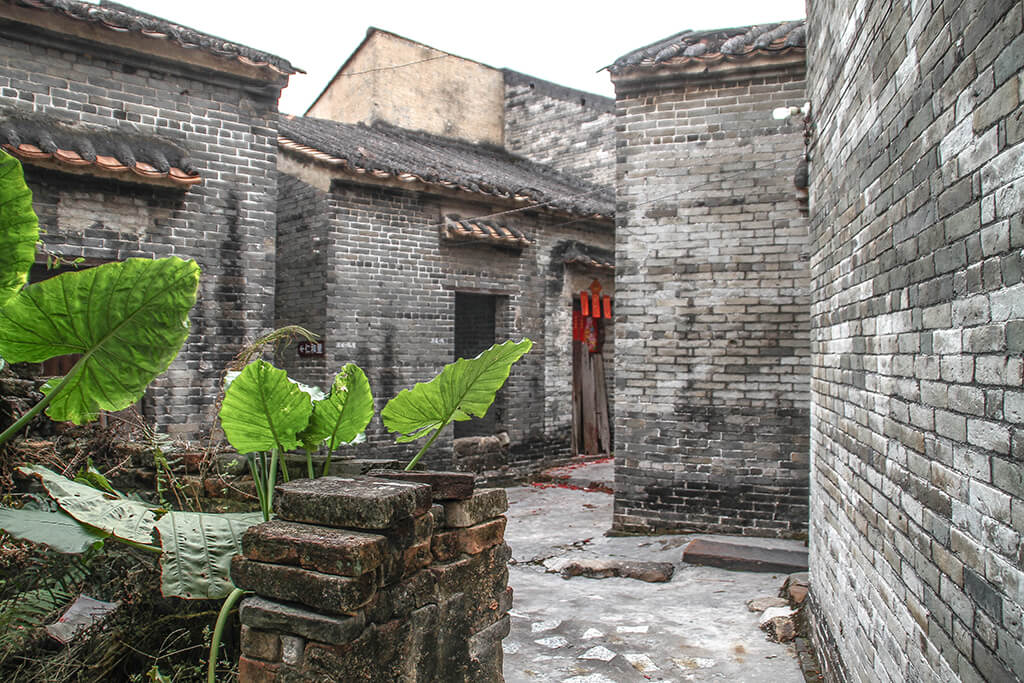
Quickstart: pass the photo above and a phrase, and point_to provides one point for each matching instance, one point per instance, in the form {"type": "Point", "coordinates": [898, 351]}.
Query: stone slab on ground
{"type": "Point", "coordinates": [603, 568]}
{"type": "Point", "coordinates": [744, 557]}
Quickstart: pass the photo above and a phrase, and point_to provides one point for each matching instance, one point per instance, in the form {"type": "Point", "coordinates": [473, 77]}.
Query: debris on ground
{"type": "Point", "coordinates": [779, 623]}
{"type": "Point", "coordinates": [82, 614]}
{"type": "Point", "coordinates": [600, 568]}
{"type": "Point", "coordinates": [795, 588]}
{"type": "Point", "coordinates": [761, 604]}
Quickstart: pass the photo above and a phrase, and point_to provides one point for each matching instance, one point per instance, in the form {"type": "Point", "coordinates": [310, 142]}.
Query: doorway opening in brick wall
{"type": "Point", "coordinates": [591, 427]}
{"type": "Point", "coordinates": [476, 331]}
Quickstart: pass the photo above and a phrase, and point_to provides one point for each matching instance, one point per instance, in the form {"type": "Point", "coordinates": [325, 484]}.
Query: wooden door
{"type": "Point", "coordinates": [591, 434]}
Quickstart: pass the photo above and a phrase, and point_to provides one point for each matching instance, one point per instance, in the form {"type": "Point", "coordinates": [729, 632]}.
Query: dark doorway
{"type": "Point", "coordinates": [475, 316]}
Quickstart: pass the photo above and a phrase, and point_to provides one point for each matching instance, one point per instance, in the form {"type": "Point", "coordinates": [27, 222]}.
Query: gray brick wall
{"type": "Point", "coordinates": [918, 307]}
{"type": "Point", "coordinates": [712, 344]}
{"type": "Point", "coordinates": [389, 285]}
{"type": "Point", "coordinates": [226, 223]}
{"type": "Point", "coordinates": [571, 130]}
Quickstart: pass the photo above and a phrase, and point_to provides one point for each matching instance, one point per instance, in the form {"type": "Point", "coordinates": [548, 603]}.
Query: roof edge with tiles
{"type": "Point", "coordinates": [116, 24]}
{"type": "Point", "coordinates": [388, 154]}
{"type": "Point", "coordinates": [456, 228]}
{"type": "Point", "coordinates": [104, 153]}
{"type": "Point", "coordinates": [695, 55]}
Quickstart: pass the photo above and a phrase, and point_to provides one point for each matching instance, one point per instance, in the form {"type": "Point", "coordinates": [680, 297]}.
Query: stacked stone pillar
{"type": "Point", "coordinates": [367, 579]}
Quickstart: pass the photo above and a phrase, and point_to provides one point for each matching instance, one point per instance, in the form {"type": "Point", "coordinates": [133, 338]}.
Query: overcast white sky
{"type": "Point", "coordinates": [565, 41]}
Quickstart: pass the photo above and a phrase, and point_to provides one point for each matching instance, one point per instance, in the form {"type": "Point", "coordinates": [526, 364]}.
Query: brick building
{"type": "Point", "coordinates": [917, 425]}
{"type": "Point", "coordinates": [141, 137]}
{"type": "Point", "coordinates": [414, 228]}
{"type": "Point", "coordinates": [712, 347]}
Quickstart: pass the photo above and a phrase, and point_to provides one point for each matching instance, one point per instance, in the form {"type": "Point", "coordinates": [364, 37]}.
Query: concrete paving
{"type": "Point", "coordinates": [695, 627]}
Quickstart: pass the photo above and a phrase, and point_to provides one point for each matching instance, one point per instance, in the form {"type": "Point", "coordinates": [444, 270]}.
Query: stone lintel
{"type": "Point", "coordinates": [350, 502]}
{"type": "Point", "coordinates": [443, 485]}
{"type": "Point", "coordinates": [323, 549]}
{"type": "Point", "coordinates": [267, 615]}
{"type": "Point", "coordinates": [322, 592]}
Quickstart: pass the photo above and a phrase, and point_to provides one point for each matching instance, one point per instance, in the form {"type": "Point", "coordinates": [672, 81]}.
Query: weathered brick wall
{"type": "Point", "coordinates": [301, 273]}
{"type": "Point", "coordinates": [570, 130]}
{"type": "Point", "coordinates": [918, 312]}
{"type": "Point", "coordinates": [366, 580]}
{"type": "Point", "coordinates": [712, 324]}
{"type": "Point", "coordinates": [226, 223]}
{"type": "Point", "coordinates": [390, 283]}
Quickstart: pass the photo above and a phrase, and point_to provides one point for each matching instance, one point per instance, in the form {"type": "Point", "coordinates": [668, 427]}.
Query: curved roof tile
{"type": "Point", "coordinates": [386, 151]}
{"type": "Point", "coordinates": [717, 45]}
{"type": "Point", "coordinates": [458, 228]}
{"type": "Point", "coordinates": [109, 151]}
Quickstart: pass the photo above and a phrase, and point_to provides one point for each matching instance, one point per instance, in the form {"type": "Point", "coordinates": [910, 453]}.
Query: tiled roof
{"type": "Point", "coordinates": [732, 44]}
{"type": "Point", "coordinates": [457, 228]}
{"type": "Point", "coordinates": [387, 152]}
{"type": "Point", "coordinates": [579, 255]}
{"type": "Point", "coordinates": [124, 19]}
{"type": "Point", "coordinates": [105, 152]}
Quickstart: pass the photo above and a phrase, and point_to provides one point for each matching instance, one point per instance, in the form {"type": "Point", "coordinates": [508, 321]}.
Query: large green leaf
{"type": "Point", "coordinates": [198, 548]}
{"type": "Point", "coordinates": [343, 414]}
{"type": "Point", "coordinates": [464, 389]}
{"type": "Point", "coordinates": [263, 409]}
{"type": "Point", "coordinates": [53, 528]}
{"type": "Point", "coordinates": [19, 228]}
{"type": "Point", "coordinates": [129, 520]}
{"type": "Point", "coordinates": [127, 319]}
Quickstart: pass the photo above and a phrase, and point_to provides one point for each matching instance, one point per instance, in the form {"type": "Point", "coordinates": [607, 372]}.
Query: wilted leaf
{"type": "Point", "coordinates": [464, 389]}
{"type": "Point", "coordinates": [126, 519]}
{"type": "Point", "coordinates": [127, 319]}
{"type": "Point", "coordinates": [343, 414]}
{"type": "Point", "coordinates": [19, 228]}
{"type": "Point", "coordinates": [263, 409]}
{"type": "Point", "coordinates": [55, 528]}
{"type": "Point", "coordinates": [198, 548]}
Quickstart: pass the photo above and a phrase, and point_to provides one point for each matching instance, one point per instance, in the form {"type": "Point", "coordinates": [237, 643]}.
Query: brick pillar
{"type": "Point", "coordinates": [365, 579]}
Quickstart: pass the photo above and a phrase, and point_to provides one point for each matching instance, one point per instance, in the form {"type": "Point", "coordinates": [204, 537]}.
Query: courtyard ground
{"type": "Point", "coordinates": [695, 627]}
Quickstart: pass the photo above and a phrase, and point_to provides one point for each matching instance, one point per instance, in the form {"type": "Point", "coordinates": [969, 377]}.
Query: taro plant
{"type": "Point", "coordinates": [127, 320]}
{"type": "Point", "coordinates": [464, 389]}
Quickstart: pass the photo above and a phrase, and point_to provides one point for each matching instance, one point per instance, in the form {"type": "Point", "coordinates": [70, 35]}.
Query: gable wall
{"type": "Point", "coordinates": [567, 129]}
{"type": "Point", "coordinates": [226, 223]}
{"type": "Point", "coordinates": [917, 419]}
{"type": "Point", "coordinates": [417, 87]}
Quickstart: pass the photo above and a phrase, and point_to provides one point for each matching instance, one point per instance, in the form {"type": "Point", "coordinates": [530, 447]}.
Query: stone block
{"type": "Point", "coordinates": [323, 592]}
{"type": "Point", "coordinates": [397, 601]}
{"type": "Point", "coordinates": [444, 545]}
{"type": "Point", "coordinates": [261, 644]}
{"type": "Point", "coordinates": [443, 485]}
{"type": "Point", "coordinates": [268, 615]}
{"type": "Point", "coordinates": [353, 503]}
{"type": "Point", "coordinates": [485, 504]}
{"type": "Point", "coordinates": [378, 654]}
{"type": "Point", "coordinates": [323, 549]}
{"type": "Point", "coordinates": [257, 671]}
{"type": "Point", "coordinates": [475, 539]}
{"type": "Point", "coordinates": [485, 651]}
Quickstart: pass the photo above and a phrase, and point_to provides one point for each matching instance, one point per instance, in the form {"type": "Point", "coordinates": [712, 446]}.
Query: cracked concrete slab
{"type": "Point", "coordinates": [695, 627]}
